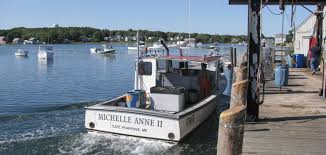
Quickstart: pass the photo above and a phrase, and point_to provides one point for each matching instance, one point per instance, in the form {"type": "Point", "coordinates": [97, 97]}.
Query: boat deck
{"type": "Point", "coordinates": [293, 121]}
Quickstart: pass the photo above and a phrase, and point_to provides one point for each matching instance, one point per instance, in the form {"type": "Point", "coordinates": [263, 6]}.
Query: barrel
{"type": "Point", "coordinates": [299, 60]}
{"type": "Point", "coordinates": [132, 99]}
{"type": "Point", "coordinates": [281, 75]}
{"type": "Point", "coordinates": [136, 99]}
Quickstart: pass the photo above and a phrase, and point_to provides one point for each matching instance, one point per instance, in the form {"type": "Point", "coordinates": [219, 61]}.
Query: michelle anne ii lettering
{"type": "Point", "coordinates": [128, 119]}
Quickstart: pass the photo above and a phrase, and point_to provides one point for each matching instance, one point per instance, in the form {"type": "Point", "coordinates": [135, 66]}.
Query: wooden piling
{"type": "Point", "coordinates": [239, 94]}
{"type": "Point", "coordinates": [231, 124]}
{"type": "Point", "coordinates": [231, 56]}
{"type": "Point", "coordinates": [234, 59]}
{"type": "Point", "coordinates": [231, 130]}
{"type": "Point", "coordinates": [240, 73]}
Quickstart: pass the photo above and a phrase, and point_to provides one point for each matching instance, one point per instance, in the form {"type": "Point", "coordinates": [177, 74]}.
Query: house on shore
{"type": "Point", "coordinates": [3, 40]}
{"type": "Point", "coordinates": [280, 39]}
{"type": "Point", "coordinates": [17, 41]}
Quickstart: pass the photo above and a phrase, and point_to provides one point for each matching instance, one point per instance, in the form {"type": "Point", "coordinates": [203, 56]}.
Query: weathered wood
{"type": "Point", "coordinates": [239, 94]}
{"type": "Point", "coordinates": [240, 74]}
{"type": "Point", "coordinates": [234, 57]}
{"type": "Point", "coordinates": [254, 32]}
{"type": "Point", "coordinates": [291, 123]}
{"type": "Point", "coordinates": [231, 131]}
{"type": "Point", "coordinates": [231, 56]}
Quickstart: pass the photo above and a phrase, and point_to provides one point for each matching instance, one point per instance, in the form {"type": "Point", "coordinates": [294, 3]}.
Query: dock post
{"type": "Point", "coordinates": [231, 56]}
{"type": "Point", "coordinates": [231, 124]}
{"type": "Point", "coordinates": [231, 131]}
{"type": "Point", "coordinates": [254, 32]}
{"type": "Point", "coordinates": [234, 54]}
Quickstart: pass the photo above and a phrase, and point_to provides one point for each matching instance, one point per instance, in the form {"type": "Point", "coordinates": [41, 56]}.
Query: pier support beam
{"type": "Point", "coordinates": [231, 124]}
{"type": "Point", "coordinates": [254, 33]}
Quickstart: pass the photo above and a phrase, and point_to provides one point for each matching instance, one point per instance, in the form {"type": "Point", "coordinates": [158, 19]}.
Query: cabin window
{"type": "Point", "coordinates": [145, 68]}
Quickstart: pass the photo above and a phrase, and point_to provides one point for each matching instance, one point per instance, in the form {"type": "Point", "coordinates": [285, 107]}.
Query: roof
{"type": "Point", "coordinates": [276, 2]}
{"type": "Point", "coordinates": [201, 59]}
{"type": "Point", "coordinates": [304, 22]}
{"type": "Point", "coordinates": [16, 39]}
{"type": "Point", "coordinates": [280, 35]}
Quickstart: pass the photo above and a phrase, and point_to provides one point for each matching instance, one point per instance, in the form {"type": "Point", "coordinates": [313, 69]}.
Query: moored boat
{"type": "Point", "coordinates": [94, 50]}
{"type": "Point", "coordinates": [22, 53]}
{"type": "Point", "coordinates": [167, 103]}
{"type": "Point", "coordinates": [45, 52]}
{"type": "Point", "coordinates": [106, 50]}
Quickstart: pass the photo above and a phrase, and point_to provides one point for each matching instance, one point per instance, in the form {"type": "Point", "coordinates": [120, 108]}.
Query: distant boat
{"type": "Point", "coordinates": [134, 48]}
{"type": "Point", "coordinates": [45, 52]}
{"type": "Point", "coordinates": [22, 53]}
{"type": "Point", "coordinates": [106, 50]}
{"type": "Point", "coordinates": [156, 46]}
{"type": "Point", "coordinates": [94, 50]}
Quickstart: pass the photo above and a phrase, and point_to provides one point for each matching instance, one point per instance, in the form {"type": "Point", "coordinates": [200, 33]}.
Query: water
{"type": "Point", "coordinates": [42, 104]}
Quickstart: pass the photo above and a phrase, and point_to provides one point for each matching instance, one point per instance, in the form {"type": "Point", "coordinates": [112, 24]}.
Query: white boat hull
{"type": "Point", "coordinates": [21, 53]}
{"type": "Point", "coordinates": [45, 55]}
{"type": "Point", "coordinates": [147, 123]}
{"type": "Point", "coordinates": [135, 48]}
{"type": "Point", "coordinates": [93, 50]}
{"type": "Point", "coordinates": [107, 51]}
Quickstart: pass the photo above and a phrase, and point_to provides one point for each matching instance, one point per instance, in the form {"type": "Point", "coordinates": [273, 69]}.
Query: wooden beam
{"type": "Point", "coordinates": [254, 33]}
{"type": "Point", "coordinates": [277, 2]}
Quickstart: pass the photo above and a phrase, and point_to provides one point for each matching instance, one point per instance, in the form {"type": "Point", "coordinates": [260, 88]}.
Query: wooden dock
{"type": "Point", "coordinates": [292, 121]}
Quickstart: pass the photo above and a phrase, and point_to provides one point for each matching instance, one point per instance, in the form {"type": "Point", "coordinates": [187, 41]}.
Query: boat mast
{"type": "Point", "coordinates": [137, 63]}
{"type": "Point", "coordinates": [189, 26]}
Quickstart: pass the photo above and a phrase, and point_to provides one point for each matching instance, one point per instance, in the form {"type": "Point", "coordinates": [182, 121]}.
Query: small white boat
{"type": "Point", "coordinates": [45, 52]}
{"type": "Point", "coordinates": [165, 108]}
{"type": "Point", "coordinates": [106, 50]}
{"type": "Point", "coordinates": [156, 46]}
{"type": "Point", "coordinates": [134, 48]}
{"type": "Point", "coordinates": [94, 50]}
{"type": "Point", "coordinates": [22, 53]}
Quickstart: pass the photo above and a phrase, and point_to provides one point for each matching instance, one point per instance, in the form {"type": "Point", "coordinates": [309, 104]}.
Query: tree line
{"type": "Point", "coordinates": [78, 34]}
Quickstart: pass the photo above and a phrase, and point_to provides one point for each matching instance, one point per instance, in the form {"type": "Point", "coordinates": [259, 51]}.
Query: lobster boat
{"type": "Point", "coordinates": [172, 96]}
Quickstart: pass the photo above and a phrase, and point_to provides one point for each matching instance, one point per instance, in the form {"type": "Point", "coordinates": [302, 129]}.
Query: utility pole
{"type": "Point", "coordinates": [319, 29]}
{"type": "Point", "coordinates": [253, 54]}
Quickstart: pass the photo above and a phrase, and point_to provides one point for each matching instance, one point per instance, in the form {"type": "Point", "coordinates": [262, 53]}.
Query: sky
{"type": "Point", "coordinates": [206, 16]}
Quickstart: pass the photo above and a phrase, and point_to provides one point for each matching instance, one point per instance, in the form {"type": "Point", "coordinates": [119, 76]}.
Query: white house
{"type": "Point", "coordinates": [280, 39]}
{"type": "Point", "coordinates": [303, 33]}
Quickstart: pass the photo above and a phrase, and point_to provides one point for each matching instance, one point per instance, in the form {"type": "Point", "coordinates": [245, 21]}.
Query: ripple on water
{"type": "Point", "coordinates": [103, 143]}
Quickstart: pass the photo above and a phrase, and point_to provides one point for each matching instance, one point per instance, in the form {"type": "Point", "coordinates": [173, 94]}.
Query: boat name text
{"type": "Point", "coordinates": [129, 119]}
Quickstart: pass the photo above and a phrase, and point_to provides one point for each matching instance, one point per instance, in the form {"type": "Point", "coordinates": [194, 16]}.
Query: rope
{"type": "Point", "coordinates": [277, 14]}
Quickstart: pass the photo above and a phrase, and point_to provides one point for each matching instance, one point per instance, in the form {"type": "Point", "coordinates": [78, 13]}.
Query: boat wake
{"type": "Point", "coordinates": [104, 143]}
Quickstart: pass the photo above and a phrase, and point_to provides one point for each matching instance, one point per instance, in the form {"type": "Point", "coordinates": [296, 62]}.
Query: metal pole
{"type": "Point", "coordinates": [254, 27]}
{"type": "Point", "coordinates": [138, 55]}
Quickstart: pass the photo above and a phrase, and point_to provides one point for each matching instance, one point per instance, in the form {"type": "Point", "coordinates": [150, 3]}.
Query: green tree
{"type": "Point", "coordinates": [98, 36]}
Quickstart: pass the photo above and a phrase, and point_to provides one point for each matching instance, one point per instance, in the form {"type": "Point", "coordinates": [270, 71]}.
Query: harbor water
{"type": "Point", "coordinates": [42, 103]}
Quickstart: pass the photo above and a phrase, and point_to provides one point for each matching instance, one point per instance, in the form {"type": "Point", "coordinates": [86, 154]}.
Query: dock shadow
{"type": "Point", "coordinates": [295, 118]}
{"type": "Point", "coordinates": [253, 130]}
{"type": "Point", "coordinates": [298, 77]}
{"type": "Point", "coordinates": [290, 92]}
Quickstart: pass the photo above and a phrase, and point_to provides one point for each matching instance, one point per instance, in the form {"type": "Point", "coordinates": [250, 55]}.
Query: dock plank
{"type": "Point", "coordinates": [291, 122]}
